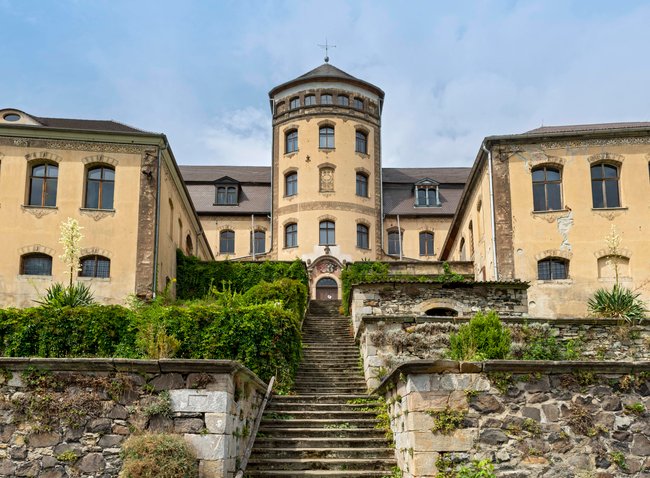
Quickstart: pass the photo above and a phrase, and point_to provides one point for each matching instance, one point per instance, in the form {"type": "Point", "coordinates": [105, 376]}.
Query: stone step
{"type": "Point", "coordinates": [340, 381]}
{"type": "Point", "coordinates": [326, 423]}
{"type": "Point", "coordinates": [320, 453]}
{"type": "Point", "coordinates": [320, 473]}
{"type": "Point", "coordinates": [340, 415]}
{"type": "Point", "coordinates": [288, 407]}
{"type": "Point", "coordinates": [320, 464]}
{"type": "Point", "coordinates": [319, 442]}
{"type": "Point", "coordinates": [312, 375]}
{"type": "Point", "coordinates": [323, 398]}
{"type": "Point", "coordinates": [331, 390]}
{"type": "Point", "coordinates": [343, 363]}
{"type": "Point", "coordinates": [323, 433]}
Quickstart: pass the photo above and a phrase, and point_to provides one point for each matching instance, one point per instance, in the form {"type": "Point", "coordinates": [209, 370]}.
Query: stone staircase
{"type": "Point", "coordinates": [321, 431]}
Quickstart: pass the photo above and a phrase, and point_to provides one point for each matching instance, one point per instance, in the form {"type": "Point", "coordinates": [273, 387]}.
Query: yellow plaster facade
{"type": "Point", "coordinates": [572, 233]}
{"type": "Point", "coordinates": [120, 234]}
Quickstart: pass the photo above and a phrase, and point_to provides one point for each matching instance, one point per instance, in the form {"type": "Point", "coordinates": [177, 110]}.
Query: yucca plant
{"type": "Point", "coordinates": [75, 295]}
{"type": "Point", "coordinates": [618, 303]}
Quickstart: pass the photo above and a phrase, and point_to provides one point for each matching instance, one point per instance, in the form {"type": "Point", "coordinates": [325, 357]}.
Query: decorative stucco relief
{"type": "Point", "coordinates": [100, 158]}
{"type": "Point", "coordinates": [97, 214]}
{"type": "Point", "coordinates": [38, 212]}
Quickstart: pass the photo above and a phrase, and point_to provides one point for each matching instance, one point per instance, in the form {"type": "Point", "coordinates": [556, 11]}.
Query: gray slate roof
{"type": "Point", "coordinates": [243, 174]}
{"type": "Point", "coordinates": [325, 72]}
{"type": "Point", "coordinates": [411, 175]}
{"type": "Point", "coordinates": [586, 128]}
{"type": "Point", "coordinates": [89, 125]}
{"type": "Point", "coordinates": [255, 184]}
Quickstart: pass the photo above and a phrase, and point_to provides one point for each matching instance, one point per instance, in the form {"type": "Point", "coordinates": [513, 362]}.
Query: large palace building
{"type": "Point", "coordinates": [536, 207]}
{"type": "Point", "coordinates": [326, 198]}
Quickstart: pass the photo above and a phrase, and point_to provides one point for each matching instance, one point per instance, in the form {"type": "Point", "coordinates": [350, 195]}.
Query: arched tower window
{"type": "Point", "coordinates": [291, 184]}
{"type": "Point", "coordinates": [361, 143]}
{"type": "Point", "coordinates": [291, 141]}
{"type": "Point", "coordinates": [362, 185]}
{"type": "Point", "coordinates": [291, 235]}
{"type": "Point", "coordinates": [362, 237]}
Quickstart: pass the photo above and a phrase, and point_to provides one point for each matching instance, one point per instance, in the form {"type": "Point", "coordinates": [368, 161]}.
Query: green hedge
{"type": "Point", "coordinates": [358, 272]}
{"type": "Point", "coordinates": [94, 331]}
{"type": "Point", "coordinates": [195, 277]}
{"type": "Point", "coordinates": [260, 329]}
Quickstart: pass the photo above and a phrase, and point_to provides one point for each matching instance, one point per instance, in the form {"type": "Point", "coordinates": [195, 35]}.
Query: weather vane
{"type": "Point", "coordinates": [327, 46]}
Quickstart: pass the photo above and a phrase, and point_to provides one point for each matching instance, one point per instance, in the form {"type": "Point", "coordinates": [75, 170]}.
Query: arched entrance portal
{"type": "Point", "coordinates": [327, 289]}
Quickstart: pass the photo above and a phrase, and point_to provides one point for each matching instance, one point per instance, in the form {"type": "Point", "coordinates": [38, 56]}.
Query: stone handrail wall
{"type": "Point", "coordinates": [385, 342]}
{"type": "Point", "coordinates": [415, 298]}
{"type": "Point", "coordinates": [530, 419]}
{"type": "Point", "coordinates": [433, 268]}
{"type": "Point", "coordinates": [69, 417]}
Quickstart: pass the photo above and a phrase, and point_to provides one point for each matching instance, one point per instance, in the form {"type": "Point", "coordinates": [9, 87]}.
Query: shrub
{"type": "Point", "coordinates": [544, 348]}
{"type": "Point", "coordinates": [477, 469]}
{"type": "Point", "coordinates": [95, 331]}
{"type": "Point", "coordinates": [74, 295]}
{"type": "Point", "coordinates": [290, 292]}
{"type": "Point", "coordinates": [157, 456]}
{"type": "Point", "coordinates": [358, 272]}
{"type": "Point", "coordinates": [618, 303]}
{"type": "Point", "coordinates": [484, 338]}
{"type": "Point", "coordinates": [264, 336]}
{"type": "Point", "coordinates": [195, 278]}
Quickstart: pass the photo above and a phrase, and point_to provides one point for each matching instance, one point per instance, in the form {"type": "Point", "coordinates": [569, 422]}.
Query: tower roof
{"type": "Point", "coordinates": [327, 72]}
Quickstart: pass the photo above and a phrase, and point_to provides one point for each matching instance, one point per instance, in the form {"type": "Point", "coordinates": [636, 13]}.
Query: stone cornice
{"type": "Point", "coordinates": [131, 365]}
{"type": "Point", "coordinates": [74, 145]}
{"type": "Point", "coordinates": [511, 366]}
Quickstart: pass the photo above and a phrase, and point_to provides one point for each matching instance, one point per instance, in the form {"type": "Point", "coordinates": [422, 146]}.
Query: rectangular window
{"type": "Point", "coordinates": [327, 234]}
{"type": "Point", "coordinates": [393, 243]}
{"type": "Point", "coordinates": [362, 185]}
{"type": "Point", "coordinates": [362, 236]}
{"type": "Point", "coordinates": [259, 242]}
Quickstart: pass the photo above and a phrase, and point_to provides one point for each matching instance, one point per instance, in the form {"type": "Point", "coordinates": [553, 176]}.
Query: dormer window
{"type": "Point", "coordinates": [426, 193]}
{"type": "Point", "coordinates": [227, 192]}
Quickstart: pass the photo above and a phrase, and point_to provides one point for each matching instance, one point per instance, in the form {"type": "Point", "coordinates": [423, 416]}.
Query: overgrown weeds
{"type": "Point", "coordinates": [157, 456]}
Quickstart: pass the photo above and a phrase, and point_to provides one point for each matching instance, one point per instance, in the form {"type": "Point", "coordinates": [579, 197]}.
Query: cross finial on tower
{"type": "Point", "coordinates": [327, 46]}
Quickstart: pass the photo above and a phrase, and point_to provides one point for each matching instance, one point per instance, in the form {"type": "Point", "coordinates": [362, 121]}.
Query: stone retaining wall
{"type": "Point", "coordinates": [386, 342]}
{"type": "Point", "coordinates": [530, 419]}
{"type": "Point", "coordinates": [68, 417]}
{"type": "Point", "coordinates": [416, 298]}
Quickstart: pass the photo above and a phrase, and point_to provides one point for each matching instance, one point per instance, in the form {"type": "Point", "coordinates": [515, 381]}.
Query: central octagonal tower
{"type": "Point", "coordinates": [326, 173]}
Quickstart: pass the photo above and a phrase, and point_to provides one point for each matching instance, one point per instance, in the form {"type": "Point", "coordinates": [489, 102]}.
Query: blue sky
{"type": "Point", "coordinates": [453, 72]}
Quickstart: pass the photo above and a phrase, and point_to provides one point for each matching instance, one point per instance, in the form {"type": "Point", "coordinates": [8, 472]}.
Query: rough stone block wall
{"type": "Point", "coordinates": [386, 342]}
{"type": "Point", "coordinates": [542, 420]}
{"type": "Point", "coordinates": [68, 418]}
{"type": "Point", "coordinates": [415, 298]}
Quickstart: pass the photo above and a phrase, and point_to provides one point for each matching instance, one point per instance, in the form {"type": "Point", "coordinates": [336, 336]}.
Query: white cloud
{"type": "Point", "coordinates": [240, 137]}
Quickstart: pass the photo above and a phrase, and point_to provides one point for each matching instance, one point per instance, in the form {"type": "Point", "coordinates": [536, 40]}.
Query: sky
{"type": "Point", "coordinates": [454, 72]}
